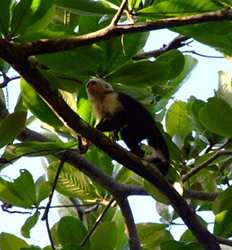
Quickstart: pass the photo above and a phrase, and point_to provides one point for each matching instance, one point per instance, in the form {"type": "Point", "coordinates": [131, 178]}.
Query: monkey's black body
{"type": "Point", "coordinates": [135, 124]}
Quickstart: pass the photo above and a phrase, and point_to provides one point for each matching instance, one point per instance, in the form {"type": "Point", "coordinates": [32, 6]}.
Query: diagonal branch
{"type": "Point", "coordinates": [132, 162]}
{"type": "Point", "coordinates": [176, 43]}
{"type": "Point", "coordinates": [55, 45]}
{"type": "Point", "coordinates": [119, 13]}
{"type": "Point", "coordinates": [205, 163]}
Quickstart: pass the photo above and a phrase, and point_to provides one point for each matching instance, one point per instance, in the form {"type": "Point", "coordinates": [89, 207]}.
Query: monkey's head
{"type": "Point", "coordinates": [98, 88]}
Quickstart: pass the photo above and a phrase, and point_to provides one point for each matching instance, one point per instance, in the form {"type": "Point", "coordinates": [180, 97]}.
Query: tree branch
{"type": "Point", "coordinates": [174, 44]}
{"type": "Point", "coordinates": [132, 162]}
{"type": "Point", "coordinates": [124, 205]}
{"type": "Point", "coordinates": [205, 163]}
{"type": "Point", "coordinates": [199, 195]}
{"type": "Point", "coordinates": [117, 16]}
{"type": "Point", "coordinates": [55, 45]}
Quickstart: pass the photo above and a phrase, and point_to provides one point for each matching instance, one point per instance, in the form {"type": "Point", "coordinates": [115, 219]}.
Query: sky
{"type": "Point", "coordinates": [202, 83]}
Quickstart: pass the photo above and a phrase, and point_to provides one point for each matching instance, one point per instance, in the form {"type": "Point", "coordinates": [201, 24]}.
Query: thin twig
{"type": "Point", "coordinates": [45, 215]}
{"type": "Point", "coordinates": [118, 15]}
{"type": "Point", "coordinates": [205, 163]}
{"type": "Point", "coordinates": [49, 234]}
{"type": "Point", "coordinates": [53, 189]}
{"type": "Point", "coordinates": [99, 219]}
{"type": "Point", "coordinates": [202, 55]}
{"type": "Point", "coordinates": [5, 207]}
{"type": "Point", "coordinates": [7, 79]}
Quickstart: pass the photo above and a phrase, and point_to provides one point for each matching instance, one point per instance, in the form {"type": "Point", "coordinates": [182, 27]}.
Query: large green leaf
{"type": "Point", "coordinates": [73, 183]}
{"type": "Point", "coordinates": [21, 192]}
{"type": "Point", "coordinates": [178, 122]}
{"type": "Point", "coordinates": [88, 7]}
{"type": "Point", "coordinates": [5, 8]}
{"type": "Point", "coordinates": [222, 201]}
{"type": "Point", "coordinates": [144, 73]}
{"type": "Point", "coordinates": [30, 15]}
{"type": "Point", "coordinates": [108, 229]}
{"type": "Point", "coordinates": [218, 34]}
{"type": "Point", "coordinates": [223, 224]}
{"type": "Point", "coordinates": [120, 50]}
{"type": "Point", "coordinates": [11, 242]}
{"type": "Point", "coordinates": [43, 189]}
{"type": "Point", "coordinates": [167, 8]}
{"type": "Point", "coordinates": [70, 231]}
{"type": "Point", "coordinates": [29, 224]}
{"type": "Point", "coordinates": [152, 235]}
{"type": "Point", "coordinates": [176, 245]}
{"type": "Point", "coordinates": [216, 116]}
{"type": "Point", "coordinates": [37, 106]}
{"type": "Point", "coordinates": [11, 126]}
{"type": "Point", "coordinates": [79, 63]}
{"type": "Point", "coordinates": [176, 84]}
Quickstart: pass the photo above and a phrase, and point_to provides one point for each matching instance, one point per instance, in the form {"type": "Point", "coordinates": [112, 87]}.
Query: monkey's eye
{"type": "Point", "coordinates": [107, 86]}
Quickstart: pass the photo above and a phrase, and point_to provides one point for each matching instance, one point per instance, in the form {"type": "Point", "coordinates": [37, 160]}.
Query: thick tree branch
{"type": "Point", "coordinates": [55, 45]}
{"type": "Point", "coordinates": [130, 223]}
{"type": "Point", "coordinates": [132, 162]}
{"type": "Point", "coordinates": [199, 195]}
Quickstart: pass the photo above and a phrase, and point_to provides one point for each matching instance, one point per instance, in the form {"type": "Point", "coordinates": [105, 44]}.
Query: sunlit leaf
{"type": "Point", "coordinates": [11, 242]}
{"type": "Point", "coordinates": [11, 126]}
{"type": "Point", "coordinates": [88, 7]}
{"type": "Point", "coordinates": [37, 106]}
{"type": "Point", "coordinates": [20, 192]}
{"type": "Point", "coordinates": [216, 116]}
{"type": "Point", "coordinates": [29, 224]}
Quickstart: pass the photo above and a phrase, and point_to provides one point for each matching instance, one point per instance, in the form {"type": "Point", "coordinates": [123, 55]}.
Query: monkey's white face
{"type": "Point", "coordinates": [103, 98]}
{"type": "Point", "coordinates": [97, 88]}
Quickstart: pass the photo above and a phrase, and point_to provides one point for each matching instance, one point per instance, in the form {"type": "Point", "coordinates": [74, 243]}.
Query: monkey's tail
{"type": "Point", "coordinates": [160, 154]}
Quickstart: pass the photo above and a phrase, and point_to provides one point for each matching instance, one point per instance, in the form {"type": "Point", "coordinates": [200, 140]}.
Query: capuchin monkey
{"type": "Point", "coordinates": [119, 112]}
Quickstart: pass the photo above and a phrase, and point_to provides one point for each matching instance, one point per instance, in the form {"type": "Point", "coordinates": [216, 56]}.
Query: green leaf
{"type": "Point", "coordinates": [73, 183]}
{"type": "Point", "coordinates": [11, 126]}
{"type": "Point", "coordinates": [177, 83]}
{"type": "Point", "coordinates": [79, 63]}
{"type": "Point", "coordinates": [88, 7]}
{"type": "Point", "coordinates": [152, 235]}
{"type": "Point", "coordinates": [155, 192]}
{"type": "Point", "coordinates": [175, 245]}
{"type": "Point", "coordinates": [11, 242]}
{"type": "Point", "coordinates": [29, 224]}
{"type": "Point", "coordinates": [222, 202]}
{"type": "Point", "coordinates": [146, 73]}
{"type": "Point", "coordinates": [216, 116]}
{"type": "Point", "coordinates": [167, 8]}
{"type": "Point", "coordinates": [223, 224]}
{"type": "Point", "coordinates": [43, 189]}
{"type": "Point", "coordinates": [20, 192]}
{"type": "Point", "coordinates": [100, 159]}
{"type": "Point", "coordinates": [4, 66]}
{"type": "Point", "coordinates": [120, 50]}
{"type": "Point", "coordinates": [71, 231]}
{"type": "Point", "coordinates": [107, 229]}
{"type": "Point", "coordinates": [5, 13]}
{"type": "Point", "coordinates": [37, 106]}
{"type": "Point", "coordinates": [30, 15]}
{"type": "Point", "coordinates": [178, 122]}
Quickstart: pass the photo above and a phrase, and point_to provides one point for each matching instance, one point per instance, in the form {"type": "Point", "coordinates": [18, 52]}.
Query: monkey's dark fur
{"type": "Point", "coordinates": [118, 112]}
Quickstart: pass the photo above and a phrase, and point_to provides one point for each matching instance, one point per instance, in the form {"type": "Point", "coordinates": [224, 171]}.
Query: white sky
{"type": "Point", "coordinates": [201, 84]}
